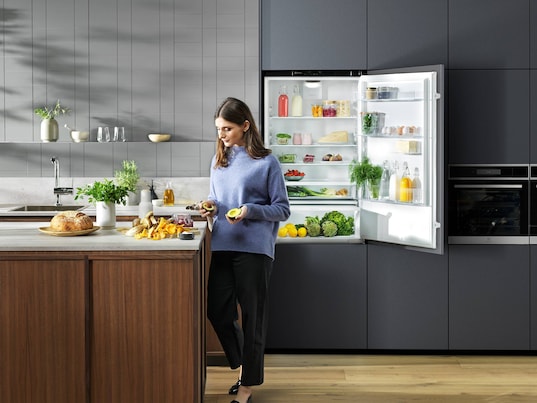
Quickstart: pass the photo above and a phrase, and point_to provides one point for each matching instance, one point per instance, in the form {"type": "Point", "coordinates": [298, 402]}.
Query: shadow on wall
{"type": "Point", "coordinates": [9, 30]}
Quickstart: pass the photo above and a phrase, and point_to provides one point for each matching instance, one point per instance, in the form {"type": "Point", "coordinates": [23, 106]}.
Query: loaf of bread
{"type": "Point", "coordinates": [70, 220]}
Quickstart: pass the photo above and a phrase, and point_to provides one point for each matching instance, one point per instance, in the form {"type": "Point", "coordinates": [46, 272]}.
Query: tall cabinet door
{"type": "Point", "coordinates": [147, 330]}
{"type": "Point", "coordinates": [313, 34]}
{"type": "Point", "coordinates": [406, 33]}
{"type": "Point", "coordinates": [489, 116]}
{"type": "Point", "coordinates": [489, 297]}
{"type": "Point", "coordinates": [407, 299]}
{"type": "Point", "coordinates": [318, 297]}
{"type": "Point", "coordinates": [42, 331]}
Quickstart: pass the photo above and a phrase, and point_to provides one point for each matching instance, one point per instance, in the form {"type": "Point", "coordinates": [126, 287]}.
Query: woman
{"type": "Point", "coordinates": [245, 175]}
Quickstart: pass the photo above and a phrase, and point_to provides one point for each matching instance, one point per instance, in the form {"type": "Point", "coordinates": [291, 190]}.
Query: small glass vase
{"type": "Point", "coordinates": [373, 188]}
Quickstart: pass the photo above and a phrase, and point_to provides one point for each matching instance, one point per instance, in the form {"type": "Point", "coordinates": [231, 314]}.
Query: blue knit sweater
{"type": "Point", "coordinates": [257, 184]}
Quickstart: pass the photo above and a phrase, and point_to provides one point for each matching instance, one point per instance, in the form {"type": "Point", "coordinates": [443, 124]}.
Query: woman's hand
{"type": "Point", "coordinates": [238, 218]}
{"type": "Point", "coordinates": [207, 208]}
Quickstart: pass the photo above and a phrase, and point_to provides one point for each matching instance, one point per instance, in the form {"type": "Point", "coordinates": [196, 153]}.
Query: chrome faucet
{"type": "Point", "coordinates": [57, 189]}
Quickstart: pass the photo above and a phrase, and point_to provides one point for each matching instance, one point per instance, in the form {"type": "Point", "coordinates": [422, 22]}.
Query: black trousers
{"type": "Point", "coordinates": [240, 278]}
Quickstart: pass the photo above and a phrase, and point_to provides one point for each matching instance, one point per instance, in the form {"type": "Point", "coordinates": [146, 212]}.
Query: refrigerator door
{"type": "Point", "coordinates": [401, 126]}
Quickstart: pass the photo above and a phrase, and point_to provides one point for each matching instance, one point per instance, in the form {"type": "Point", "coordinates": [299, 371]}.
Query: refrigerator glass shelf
{"type": "Point", "coordinates": [393, 100]}
{"type": "Point", "coordinates": [316, 145]}
{"type": "Point", "coordinates": [312, 117]}
{"type": "Point", "coordinates": [313, 164]}
{"type": "Point", "coordinates": [394, 136]}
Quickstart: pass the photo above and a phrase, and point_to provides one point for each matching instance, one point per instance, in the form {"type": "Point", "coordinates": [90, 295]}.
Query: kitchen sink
{"type": "Point", "coordinates": [48, 208]}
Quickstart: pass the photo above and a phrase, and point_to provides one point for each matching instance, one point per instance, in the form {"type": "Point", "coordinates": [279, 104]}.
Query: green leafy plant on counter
{"type": "Point", "coordinates": [45, 112]}
{"type": "Point", "coordinates": [128, 176]}
{"type": "Point", "coordinates": [105, 191]}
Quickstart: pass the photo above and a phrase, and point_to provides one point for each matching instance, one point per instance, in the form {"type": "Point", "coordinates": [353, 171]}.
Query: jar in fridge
{"type": "Point", "coordinates": [329, 109]}
{"type": "Point", "coordinates": [317, 110]}
{"type": "Point", "coordinates": [343, 108]}
{"type": "Point", "coordinates": [387, 92]}
{"type": "Point", "coordinates": [371, 93]}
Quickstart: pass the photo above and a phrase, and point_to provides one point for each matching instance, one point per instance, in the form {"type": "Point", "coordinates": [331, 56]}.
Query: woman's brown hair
{"type": "Point", "coordinates": [236, 111]}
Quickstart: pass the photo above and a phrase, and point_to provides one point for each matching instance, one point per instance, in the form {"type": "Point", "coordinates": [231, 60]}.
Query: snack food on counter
{"type": "Point", "coordinates": [71, 220]}
{"type": "Point", "coordinates": [339, 136]}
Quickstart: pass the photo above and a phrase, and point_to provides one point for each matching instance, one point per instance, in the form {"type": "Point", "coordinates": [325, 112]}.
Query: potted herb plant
{"type": "Point", "coordinates": [105, 195]}
{"type": "Point", "coordinates": [366, 175]}
{"type": "Point", "coordinates": [128, 177]}
{"type": "Point", "coordinates": [49, 125]}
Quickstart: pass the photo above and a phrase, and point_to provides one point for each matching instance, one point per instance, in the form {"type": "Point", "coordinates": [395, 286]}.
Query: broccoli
{"type": "Point", "coordinates": [313, 226]}
{"type": "Point", "coordinates": [345, 225]}
{"type": "Point", "coordinates": [329, 228]}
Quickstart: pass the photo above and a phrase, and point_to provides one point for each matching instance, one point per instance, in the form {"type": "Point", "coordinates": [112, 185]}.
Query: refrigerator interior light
{"type": "Point", "coordinates": [312, 84]}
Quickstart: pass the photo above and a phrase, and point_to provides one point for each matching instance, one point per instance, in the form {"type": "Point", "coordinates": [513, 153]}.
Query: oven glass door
{"type": "Point", "coordinates": [488, 211]}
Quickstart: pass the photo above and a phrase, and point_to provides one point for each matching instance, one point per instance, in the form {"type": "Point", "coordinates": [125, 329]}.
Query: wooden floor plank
{"type": "Point", "coordinates": [385, 378]}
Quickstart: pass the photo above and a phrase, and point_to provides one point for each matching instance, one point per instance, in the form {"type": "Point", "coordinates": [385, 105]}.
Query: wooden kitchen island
{"type": "Point", "coordinates": [100, 318]}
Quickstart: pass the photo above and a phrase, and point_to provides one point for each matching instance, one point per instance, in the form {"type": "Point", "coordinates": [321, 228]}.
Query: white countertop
{"type": "Point", "coordinates": [25, 236]}
{"type": "Point", "coordinates": [7, 210]}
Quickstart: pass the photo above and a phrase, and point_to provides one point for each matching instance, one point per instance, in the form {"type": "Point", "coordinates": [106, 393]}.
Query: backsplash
{"type": "Point", "coordinates": [188, 159]}
{"type": "Point", "coordinates": [39, 191]}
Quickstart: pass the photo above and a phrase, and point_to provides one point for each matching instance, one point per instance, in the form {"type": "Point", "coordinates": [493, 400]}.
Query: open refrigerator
{"type": "Point", "coordinates": [333, 119]}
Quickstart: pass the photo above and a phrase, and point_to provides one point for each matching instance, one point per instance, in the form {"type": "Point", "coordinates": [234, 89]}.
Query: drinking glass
{"type": "Point", "coordinates": [119, 134]}
{"type": "Point", "coordinates": [103, 134]}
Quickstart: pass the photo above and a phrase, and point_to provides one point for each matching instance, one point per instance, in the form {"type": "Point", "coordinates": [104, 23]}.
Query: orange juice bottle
{"type": "Point", "coordinates": [405, 186]}
{"type": "Point", "coordinates": [168, 198]}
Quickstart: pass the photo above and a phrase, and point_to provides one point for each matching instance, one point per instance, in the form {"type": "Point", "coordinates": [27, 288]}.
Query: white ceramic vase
{"type": "Point", "coordinates": [49, 130]}
{"type": "Point", "coordinates": [105, 215]}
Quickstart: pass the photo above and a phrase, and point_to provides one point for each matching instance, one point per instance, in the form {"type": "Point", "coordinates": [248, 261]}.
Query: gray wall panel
{"type": "Point", "coordinates": [148, 66]}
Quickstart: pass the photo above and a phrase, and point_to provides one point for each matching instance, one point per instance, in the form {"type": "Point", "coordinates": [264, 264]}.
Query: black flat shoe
{"type": "Point", "coordinates": [235, 388]}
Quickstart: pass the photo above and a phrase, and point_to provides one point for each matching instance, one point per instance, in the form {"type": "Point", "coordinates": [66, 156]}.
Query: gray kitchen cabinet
{"type": "Point", "coordinates": [533, 296]}
{"type": "Point", "coordinates": [407, 299]}
{"type": "Point", "coordinates": [533, 35]}
{"type": "Point", "coordinates": [488, 116]}
{"type": "Point", "coordinates": [489, 34]}
{"type": "Point", "coordinates": [406, 33]}
{"type": "Point", "coordinates": [313, 34]}
{"type": "Point", "coordinates": [318, 297]}
{"type": "Point", "coordinates": [489, 297]}
{"type": "Point", "coordinates": [533, 117]}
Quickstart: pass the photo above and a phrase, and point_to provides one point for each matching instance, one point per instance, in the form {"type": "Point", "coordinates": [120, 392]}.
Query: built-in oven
{"type": "Point", "coordinates": [489, 204]}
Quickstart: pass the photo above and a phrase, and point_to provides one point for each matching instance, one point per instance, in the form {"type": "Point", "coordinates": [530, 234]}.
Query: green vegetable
{"type": "Point", "coordinates": [329, 228]}
{"type": "Point", "coordinates": [345, 225]}
{"type": "Point", "coordinates": [301, 191]}
{"type": "Point", "coordinates": [361, 172]}
{"type": "Point", "coordinates": [313, 226]}
{"type": "Point", "coordinates": [106, 191]}
{"type": "Point", "coordinates": [369, 122]}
